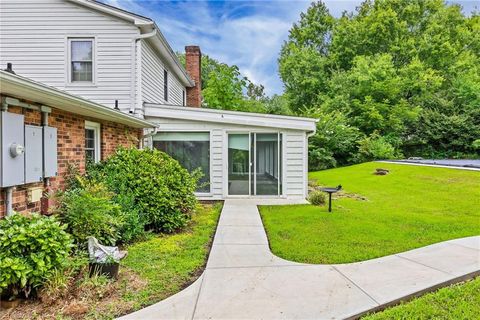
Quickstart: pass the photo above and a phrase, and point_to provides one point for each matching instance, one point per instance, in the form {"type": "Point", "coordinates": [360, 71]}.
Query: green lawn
{"type": "Point", "coordinates": [460, 301]}
{"type": "Point", "coordinates": [411, 207]}
{"type": "Point", "coordinates": [170, 262]}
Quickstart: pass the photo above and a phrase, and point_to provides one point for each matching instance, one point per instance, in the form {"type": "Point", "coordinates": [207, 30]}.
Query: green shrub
{"type": "Point", "coordinates": [476, 144]}
{"type": "Point", "coordinates": [375, 147]}
{"type": "Point", "coordinates": [89, 211]}
{"type": "Point", "coordinates": [133, 220]}
{"type": "Point", "coordinates": [160, 187]}
{"type": "Point", "coordinates": [317, 198]}
{"type": "Point", "coordinates": [31, 249]}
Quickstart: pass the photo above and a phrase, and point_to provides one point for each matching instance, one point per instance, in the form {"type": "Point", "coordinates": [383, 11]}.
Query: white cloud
{"type": "Point", "coordinates": [248, 34]}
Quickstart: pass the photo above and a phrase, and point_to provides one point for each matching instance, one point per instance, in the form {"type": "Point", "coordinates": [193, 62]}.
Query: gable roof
{"type": "Point", "coordinates": [153, 110]}
{"type": "Point", "coordinates": [146, 26]}
{"type": "Point", "coordinates": [16, 86]}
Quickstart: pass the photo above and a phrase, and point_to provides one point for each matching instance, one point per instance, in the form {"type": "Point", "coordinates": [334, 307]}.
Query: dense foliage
{"type": "Point", "coordinates": [398, 76]}
{"type": "Point", "coordinates": [88, 210]}
{"type": "Point", "coordinates": [152, 185]}
{"type": "Point", "coordinates": [31, 249]}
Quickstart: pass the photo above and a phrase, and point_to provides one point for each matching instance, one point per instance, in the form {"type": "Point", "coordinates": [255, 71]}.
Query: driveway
{"type": "Point", "coordinates": [244, 280]}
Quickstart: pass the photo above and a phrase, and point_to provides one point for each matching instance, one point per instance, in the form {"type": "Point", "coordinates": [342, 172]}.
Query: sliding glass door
{"type": "Point", "coordinates": [238, 164]}
{"type": "Point", "coordinates": [267, 164]}
{"type": "Point", "coordinates": [254, 164]}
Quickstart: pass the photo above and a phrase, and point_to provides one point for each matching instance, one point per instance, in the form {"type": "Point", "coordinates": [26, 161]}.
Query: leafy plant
{"type": "Point", "coordinates": [317, 198]}
{"type": "Point", "coordinates": [375, 147]}
{"type": "Point", "coordinates": [476, 144]}
{"type": "Point", "coordinates": [159, 187]}
{"type": "Point", "coordinates": [32, 248]}
{"type": "Point", "coordinates": [133, 220]}
{"type": "Point", "coordinates": [90, 211]}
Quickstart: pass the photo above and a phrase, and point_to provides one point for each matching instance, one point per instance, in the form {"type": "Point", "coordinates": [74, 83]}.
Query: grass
{"type": "Point", "coordinates": [460, 301]}
{"type": "Point", "coordinates": [169, 263]}
{"type": "Point", "coordinates": [411, 207]}
{"type": "Point", "coordinates": [154, 269]}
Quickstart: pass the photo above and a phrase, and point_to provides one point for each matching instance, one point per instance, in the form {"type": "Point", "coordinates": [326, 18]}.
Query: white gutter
{"type": "Point", "coordinates": [24, 88]}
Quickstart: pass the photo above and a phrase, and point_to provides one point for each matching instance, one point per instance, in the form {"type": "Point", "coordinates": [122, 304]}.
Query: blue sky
{"type": "Point", "coordinates": [246, 33]}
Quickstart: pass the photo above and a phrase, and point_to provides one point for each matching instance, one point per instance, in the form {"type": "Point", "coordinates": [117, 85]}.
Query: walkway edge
{"type": "Point", "coordinates": [417, 294]}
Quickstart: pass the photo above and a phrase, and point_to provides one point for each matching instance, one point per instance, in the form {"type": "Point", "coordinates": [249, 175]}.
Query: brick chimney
{"type": "Point", "coordinates": [193, 61]}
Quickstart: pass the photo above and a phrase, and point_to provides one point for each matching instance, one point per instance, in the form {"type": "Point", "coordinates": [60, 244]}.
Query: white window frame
{"type": "Point", "coordinates": [69, 61]}
{"type": "Point", "coordinates": [95, 126]}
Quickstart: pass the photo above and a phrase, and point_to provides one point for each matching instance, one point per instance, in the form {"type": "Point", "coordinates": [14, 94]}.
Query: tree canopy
{"type": "Point", "coordinates": [224, 87]}
{"type": "Point", "coordinates": [400, 74]}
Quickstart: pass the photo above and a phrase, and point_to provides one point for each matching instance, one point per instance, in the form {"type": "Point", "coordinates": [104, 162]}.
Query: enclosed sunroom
{"type": "Point", "coordinates": [240, 154]}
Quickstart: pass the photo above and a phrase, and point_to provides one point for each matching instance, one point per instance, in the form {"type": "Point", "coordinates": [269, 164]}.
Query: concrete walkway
{"type": "Point", "coordinates": [244, 280]}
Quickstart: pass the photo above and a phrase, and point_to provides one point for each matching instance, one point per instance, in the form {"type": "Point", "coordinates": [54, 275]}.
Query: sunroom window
{"type": "Point", "coordinates": [190, 149]}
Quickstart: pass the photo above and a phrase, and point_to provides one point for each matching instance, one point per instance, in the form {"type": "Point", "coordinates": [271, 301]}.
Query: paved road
{"type": "Point", "coordinates": [244, 280]}
{"type": "Point", "coordinates": [446, 162]}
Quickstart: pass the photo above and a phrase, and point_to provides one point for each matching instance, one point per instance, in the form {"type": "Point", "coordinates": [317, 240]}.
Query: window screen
{"type": "Point", "coordinates": [81, 60]}
{"type": "Point", "coordinates": [90, 145]}
{"type": "Point", "coordinates": [190, 149]}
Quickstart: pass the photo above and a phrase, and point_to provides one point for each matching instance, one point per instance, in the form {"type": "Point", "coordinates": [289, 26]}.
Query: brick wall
{"type": "Point", "coordinates": [71, 143]}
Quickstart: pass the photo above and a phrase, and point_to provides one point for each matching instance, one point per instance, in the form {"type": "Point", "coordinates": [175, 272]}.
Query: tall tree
{"type": "Point", "coordinates": [405, 72]}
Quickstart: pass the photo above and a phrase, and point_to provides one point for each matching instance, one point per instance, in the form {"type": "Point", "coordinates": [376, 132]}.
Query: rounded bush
{"type": "Point", "coordinates": [161, 189]}
{"type": "Point", "coordinates": [317, 198]}
{"type": "Point", "coordinates": [31, 249]}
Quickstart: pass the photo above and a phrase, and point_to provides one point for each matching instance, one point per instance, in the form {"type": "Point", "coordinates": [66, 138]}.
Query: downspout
{"type": "Point", "coordinates": [8, 200]}
{"type": "Point", "coordinates": [9, 190]}
{"type": "Point", "coordinates": [44, 203]}
{"type": "Point", "coordinates": [308, 135]}
{"type": "Point", "coordinates": [137, 107]}
{"type": "Point", "coordinates": [149, 137]}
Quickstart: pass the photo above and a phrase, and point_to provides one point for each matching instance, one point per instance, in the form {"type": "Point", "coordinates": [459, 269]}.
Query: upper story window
{"type": "Point", "coordinates": [165, 85]}
{"type": "Point", "coordinates": [92, 141]}
{"type": "Point", "coordinates": [183, 98]}
{"type": "Point", "coordinates": [81, 59]}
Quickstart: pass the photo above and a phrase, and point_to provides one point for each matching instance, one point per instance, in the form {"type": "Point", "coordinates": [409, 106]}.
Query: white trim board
{"type": "Point", "coordinates": [153, 110]}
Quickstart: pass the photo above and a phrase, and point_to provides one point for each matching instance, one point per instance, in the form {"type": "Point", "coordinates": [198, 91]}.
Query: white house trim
{"type": "Point", "coordinates": [68, 75]}
{"type": "Point", "coordinates": [95, 126]}
{"type": "Point", "coordinates": [232, 117]}
{"type": "Point", "coordinates": [13, 85]}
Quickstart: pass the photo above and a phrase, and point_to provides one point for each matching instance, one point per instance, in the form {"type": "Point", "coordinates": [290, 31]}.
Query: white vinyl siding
{"type": "Point", "coordinates": [295, 169]}
{"type": "Point", "coordinates": [34, 37]}
{"type": "Point", "coordinates": [152, 79]}
{"type": "Point", "coordinates": [293, 164]}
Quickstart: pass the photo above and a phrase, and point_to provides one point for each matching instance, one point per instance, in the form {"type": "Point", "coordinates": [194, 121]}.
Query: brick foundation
{"type": "Point", "coordinates": [71, 144]}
